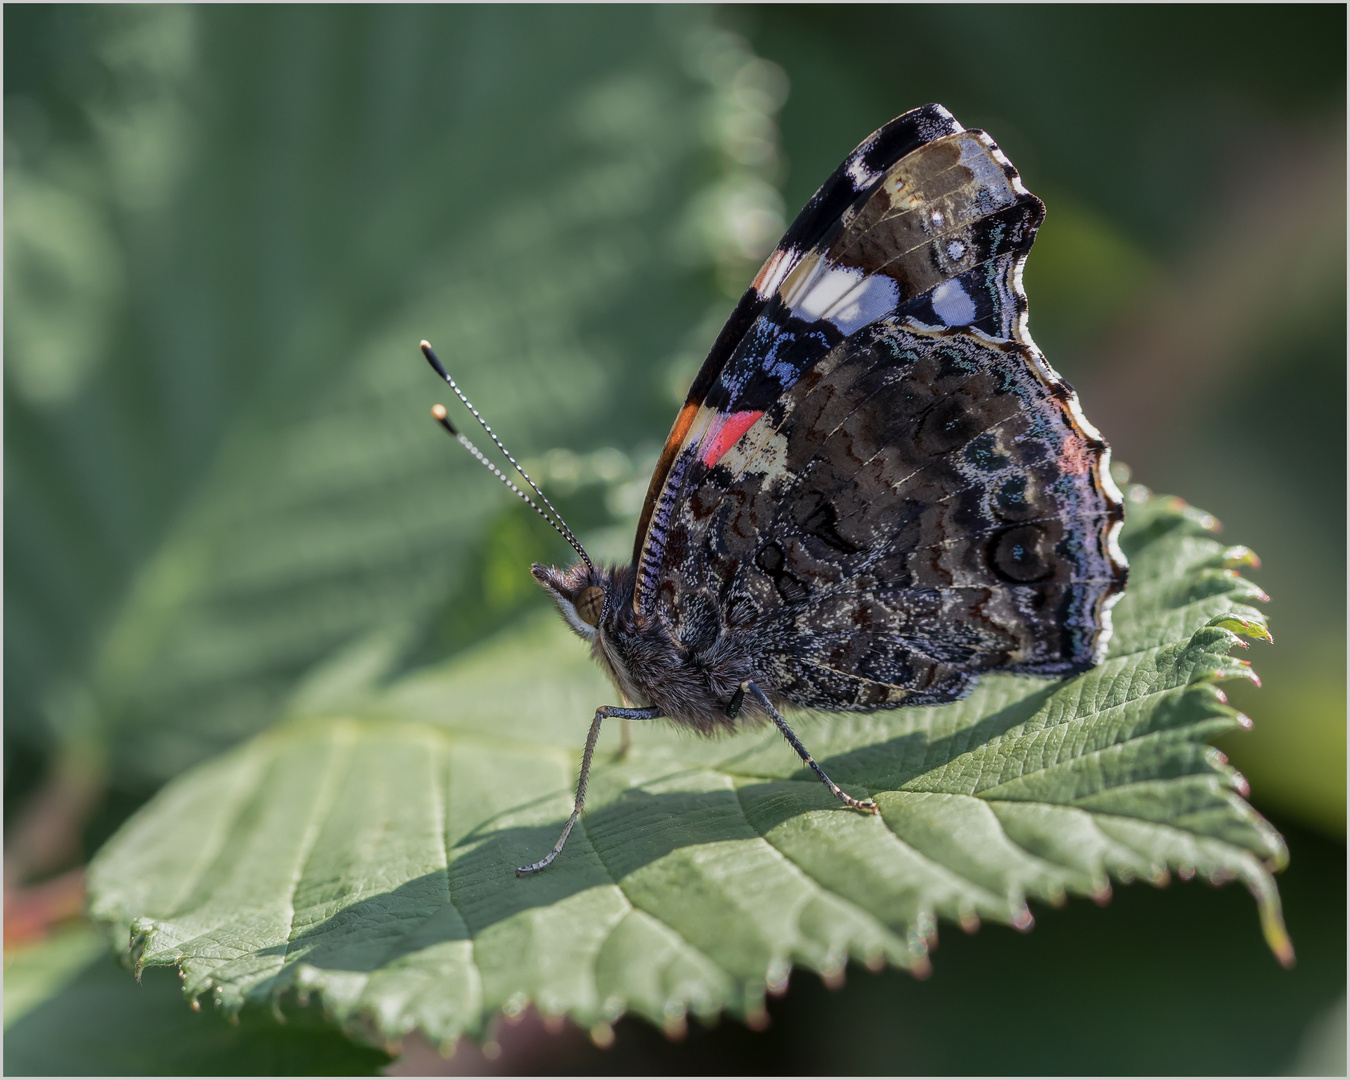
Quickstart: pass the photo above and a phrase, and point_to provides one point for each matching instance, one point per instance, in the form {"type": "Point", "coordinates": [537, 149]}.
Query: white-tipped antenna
{"type": "Point", "coordinates": [439, 414]}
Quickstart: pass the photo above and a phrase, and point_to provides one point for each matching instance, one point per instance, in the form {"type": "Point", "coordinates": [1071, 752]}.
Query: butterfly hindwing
{"type": "Point", "coordinates": [881, 474]}
{"type": "Point", "coordinates": [911, 521]}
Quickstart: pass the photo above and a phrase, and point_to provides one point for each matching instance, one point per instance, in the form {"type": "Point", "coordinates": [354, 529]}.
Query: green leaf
{"type": "Point", "coordinates": [70, 1010]}
{"type": "Point", "coordinates": [34, 974]}
{"type": "Point", "coordinates": [219, 464]}
{"type": "Point", "coordinates": [364, 853]}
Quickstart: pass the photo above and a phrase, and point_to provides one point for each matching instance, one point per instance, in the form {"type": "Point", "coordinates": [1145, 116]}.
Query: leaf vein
{"type": "Point", "coordinates": [811, 878]}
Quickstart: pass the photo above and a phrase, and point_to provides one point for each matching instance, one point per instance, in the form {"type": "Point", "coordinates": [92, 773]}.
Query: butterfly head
{"type": "Point", "coordinates": [580, 593]}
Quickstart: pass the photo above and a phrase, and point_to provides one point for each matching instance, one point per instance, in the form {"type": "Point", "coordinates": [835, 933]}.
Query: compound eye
{"type": "Point", "coordinates": [589, 603]}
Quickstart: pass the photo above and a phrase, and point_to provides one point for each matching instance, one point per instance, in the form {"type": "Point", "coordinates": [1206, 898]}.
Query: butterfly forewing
{"type": "Point", "coordinates": [849, 184]}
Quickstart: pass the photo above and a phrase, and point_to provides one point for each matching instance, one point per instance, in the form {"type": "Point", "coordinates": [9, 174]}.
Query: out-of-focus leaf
{"type": "Point", "coordinates": [219, 465]}
{"type": "Point", "coordinates": [35, 972]}
{"type": "Point", "coordinates": [70, 1010]}
{"type": "Point", "coordinates": [1321, 1051]}
{"type": "Point", "coordinates": [367, 855]}
{"type": "Point", "coordinates": [1298, 762]}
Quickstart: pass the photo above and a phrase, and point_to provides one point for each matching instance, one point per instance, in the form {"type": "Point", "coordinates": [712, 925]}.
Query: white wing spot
{"type": "Point", "coordinates": [826, 290]}
{"type": "Point", "coordinates": [859, 173]}
{"type": "Point", "coordinates": [874, 298]}
{"type": "Point", "coordinates": [848, 297]}
{"type": "Point", "coordinates": [953, 304]}
{"type": "Point", "coordinates": [956, 249]}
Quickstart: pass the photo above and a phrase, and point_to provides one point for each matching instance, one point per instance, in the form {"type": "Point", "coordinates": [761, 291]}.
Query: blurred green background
{"type": "Point", "coordinates": [227, 228]}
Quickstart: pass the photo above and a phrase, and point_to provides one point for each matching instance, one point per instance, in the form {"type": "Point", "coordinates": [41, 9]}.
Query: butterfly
{"type": "Point", "coordinates": [877, 488]}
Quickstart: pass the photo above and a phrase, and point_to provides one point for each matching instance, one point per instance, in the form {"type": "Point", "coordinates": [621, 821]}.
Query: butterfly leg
{"type": "Point", "coordinates": [591, 738]}
{"type": "Point", "coordinates": [734, 705]}
{"type": "Point", "coordinates": [848, 800]}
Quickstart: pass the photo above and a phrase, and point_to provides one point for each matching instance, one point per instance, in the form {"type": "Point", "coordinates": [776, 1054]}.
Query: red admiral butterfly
{"type": "Point", "coordinates": [877, 488]}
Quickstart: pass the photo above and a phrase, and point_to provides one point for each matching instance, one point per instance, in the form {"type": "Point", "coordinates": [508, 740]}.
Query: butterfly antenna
{"type": "Point", "coordinates": [439, 414]}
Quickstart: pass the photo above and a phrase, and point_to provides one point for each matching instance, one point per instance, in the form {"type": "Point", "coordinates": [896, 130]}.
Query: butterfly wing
{"type": "Point", "coordinates": [850, 183]}
{"type": "Point", "coordinates": [880, 478]}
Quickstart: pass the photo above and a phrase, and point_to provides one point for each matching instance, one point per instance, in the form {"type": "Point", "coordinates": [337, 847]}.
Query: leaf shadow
{"type": "Point", "coordinates": [480, 888]}
{"type": "Point", "coordinates": [890, 764]}
{"type": "Point", "coordinates": [640, 827]}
